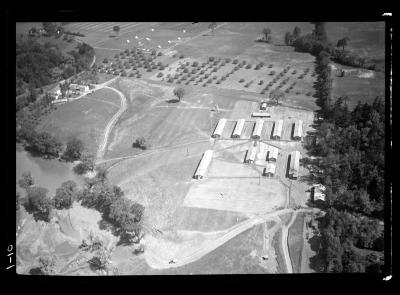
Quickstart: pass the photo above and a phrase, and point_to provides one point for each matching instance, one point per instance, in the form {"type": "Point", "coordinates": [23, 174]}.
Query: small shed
{"type": "Point", "coordinates": [272, 153]}
{"type": "Point", "coordinates": [258, 129]}
{"type": "Point", "coordinates": [269, 170]}
{"type": "Point", "coordinates": [277, 130]}
{"type": "Point", "coordinates": [298, 130]}
{"type": "Point", "coordinates": [83, 88]}
{"type": "Point", "coordinates": [238, 128]}
{"type": "Point", "coordinates": [220, 127]}
{"type": "Point", "coordinates": [204, 163]}
{"type": "Point", "coordinates": [60, 101]}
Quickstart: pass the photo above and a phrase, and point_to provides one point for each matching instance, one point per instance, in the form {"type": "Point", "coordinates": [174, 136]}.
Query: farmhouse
{"type": "Point", "coordinates": [277, 130]}
{"type": "Point", "coordinates": [272, 154]}
{"type": "Point", "coordinates": [220, 127]}
{"type": "Point", "coordinates": [298, 130]}
{"type": "Point", "coordinates": [55, 94]}
{"type": "Point", "coordinates": [251, 154]}
{"type": "Point", "coordinates": [238, 128]}
{"type": "Point", "coordinates": [263, 106]}
{"type": "Point", "coordinates": [262, 115]}
{"type": "Point", "coordinates": [318, 192]}
{"type": "Point", "coordinates": [269, 170]}
{"type": "Point", "coordinates": [294, 164]}
{"type": "Point", "coordinates": [258, 129]}
{"type": "Point", "coordinates": [204, 163]}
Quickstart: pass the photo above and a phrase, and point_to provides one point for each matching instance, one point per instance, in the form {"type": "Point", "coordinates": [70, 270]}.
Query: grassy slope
{"type": "Point", "coordinates": [84, 118]}
{"type": "Point", "coordinates": [276, 243]}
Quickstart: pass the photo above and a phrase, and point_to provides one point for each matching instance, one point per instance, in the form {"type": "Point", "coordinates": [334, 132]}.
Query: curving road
{"type": "Point", "coordinates": [285, 242]}
{"type": "Point", "coordinates": [110, 125]}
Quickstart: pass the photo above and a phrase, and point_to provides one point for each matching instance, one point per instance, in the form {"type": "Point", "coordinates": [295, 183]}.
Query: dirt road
{"type": "Point", "coordinates": [285, 247]}
{"type": "Point", "coordinates": [111, 123]}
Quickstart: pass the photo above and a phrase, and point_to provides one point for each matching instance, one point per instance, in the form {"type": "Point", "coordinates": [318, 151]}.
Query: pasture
{"type": "Point", "coordinates": [90, 115]}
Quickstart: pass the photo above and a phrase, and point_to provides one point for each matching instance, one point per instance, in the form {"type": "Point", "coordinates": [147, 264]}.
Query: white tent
{"type": "Point", "coordinates": [258, 129]}
{"type": "Point", "coordinates": [263, 115]}
{"type": "Point", "coordinates": [204, 163]}
{"type": "Point", "coordinates": [277, 130]}
{"type": "Point", "coordinates": [238, 128]}
{"type": "Point", "coordinates": [298, 130]}
{"type": "Point", "coordinates": [220, 127]}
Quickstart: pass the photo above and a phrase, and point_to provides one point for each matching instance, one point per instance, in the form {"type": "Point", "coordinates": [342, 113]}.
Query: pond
{"type": "Point", "coordinates": [46, 173]}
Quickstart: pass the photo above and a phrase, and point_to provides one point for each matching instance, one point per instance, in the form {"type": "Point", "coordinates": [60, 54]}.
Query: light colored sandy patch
{"type": "Point", "coordinates": [236, 194]}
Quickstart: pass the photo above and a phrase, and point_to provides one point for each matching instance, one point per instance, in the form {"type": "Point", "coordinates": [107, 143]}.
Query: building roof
{"type": "Point", "coordinates": [278, 128]}
{"type": "Point", "coordinates": [298, 128]}
{"type": "Point", "coordinates": [273, 152]}
{"type": "Point", "coordinates": [270, 168]}
{"type": "Point", "coordinates": [238, 127]}
{"type": "Point", "coordinates": [204, 163]}
{"type": "Point", "coordinates": [220, 127]}
{"type": "Point", "coordinates": [259, 114]}
{"type": "Point", "coordinates": [295, 161]}
{"type": "Point", "coordinates": [258, 128]}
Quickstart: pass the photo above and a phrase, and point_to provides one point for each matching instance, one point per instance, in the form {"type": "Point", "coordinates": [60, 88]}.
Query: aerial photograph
{"type": "Point", "coordinates": [194, 148]}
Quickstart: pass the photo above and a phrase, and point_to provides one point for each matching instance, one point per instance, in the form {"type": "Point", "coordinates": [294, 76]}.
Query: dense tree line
{"type": "Point", "coordinates": [38, 65]}
{"type": "Point", "coordinates": [97, 193]}
{"type": "Point", "coordinates": [348, 159]}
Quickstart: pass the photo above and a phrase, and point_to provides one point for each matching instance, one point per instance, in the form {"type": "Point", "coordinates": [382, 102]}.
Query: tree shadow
{"type": "Point", "coordinates": [316, 261]}
{"type": "Point", "coordinates": [172, 100]}
{"type": "Point", "coordinates": [36, 271]}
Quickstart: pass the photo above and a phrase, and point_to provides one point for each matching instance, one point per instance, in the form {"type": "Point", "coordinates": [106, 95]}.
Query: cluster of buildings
{"type": "Point", "coordinates": [73, 89]}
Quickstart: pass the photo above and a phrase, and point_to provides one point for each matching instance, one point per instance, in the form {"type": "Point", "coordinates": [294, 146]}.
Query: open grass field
{"type": "Point", "coordinates": [90, 115]}
{"type": "Point", "coordinates": [295, 242]}
{"type": "Point", "coordinates": [237, 256]}
{"type": "Point", "coordinates": [359, 89]}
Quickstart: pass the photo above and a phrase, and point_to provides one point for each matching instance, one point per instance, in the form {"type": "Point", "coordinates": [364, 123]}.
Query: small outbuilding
{"type": "Point", "coordinates": [258, 129]}
{"type": "Point", "coordinates": [204, 163]}
{"type": "Point", "coordinates": [298, 130]}
{"type": "Point", "coordinates": [277, 130]}
{"type": "Point", "coordinates": [263, 106]}
{"type": "Point", "coordinates": [220, 127]}
{"type": "Point", "coordinates": [238, 128]}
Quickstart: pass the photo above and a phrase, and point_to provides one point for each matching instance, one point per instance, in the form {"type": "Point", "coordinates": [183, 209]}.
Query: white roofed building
{"type": "Point", "coordinates": [251, 154]}
{"type": "Point", "coordinates": [298, 130]}
{"type": "Point", "coordinates": [238, 128]}
{"type": "Point", "coordinates": [272, 153]}
{"type": "Point", "coordinates": [258, 129]}
{"type": "Point", "coordinates": [269, 170]}
{"type": "Point", "coordinates": [294, 164]}
{"type": "Point", "coordinates": [220, 127]}
{"type": "Point", "coordinates": [204, 163]}
{"type": "Point", "coordinates": [277, 130]}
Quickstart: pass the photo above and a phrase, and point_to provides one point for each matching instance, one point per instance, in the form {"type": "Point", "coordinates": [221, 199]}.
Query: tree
{"type": "Point", "coordinates": [342, 43]}
{"type": "Point", "coordinates": [26, 180]}
{"type": "Point", "coordinates": [289, 38]}
{"type": "Point", "coordinates": [86, 164]}
{"type": "Point", "coordinates": [74, 149]}
{"type": "Point", "coordinates": [141, 143]}
{"type": "Point", "coordinates": [127, 215]}
{"type": "Point", "coordinates": [48, 265]}
{"type": "Point", "coordinates": [50, 28]}
{"type": "Point", "coordinates": [65, 195]}
{"type": "Point", "coordinates": [179, 93]}
{"type": "Point", "coordinates": [32, 93]}
{"type": "Point", "coordinates": [267, 34]}
{"type": "Point", "coordinates": [100, 260]}
{"type": "Point", "coordinates": [38, 203]}
{"type": "Point", "coordinates": [46, 144]}
{"type": "Point", "coordinates": [277, 95]}
{"type": "Point", "coordinates": [296, 32]}
{"type": "Point", "coordinates": [212, 27]}
{"type": "Point", "coordinates": [116, 29]}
